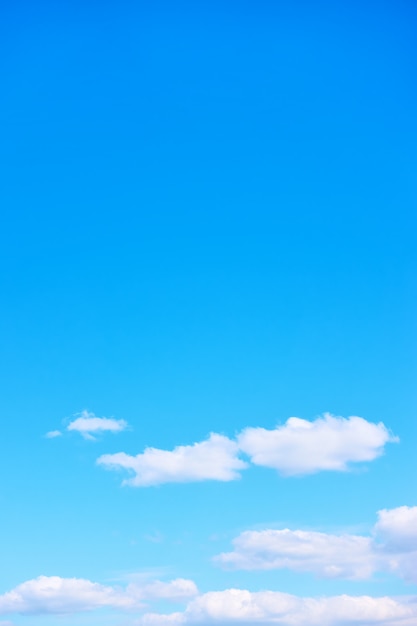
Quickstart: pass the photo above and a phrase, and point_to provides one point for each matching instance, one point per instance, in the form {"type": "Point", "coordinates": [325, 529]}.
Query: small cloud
{"type": "Point", "coordinates": [87, 423]}
{"type": "Point", "coordinates": [53, 434]}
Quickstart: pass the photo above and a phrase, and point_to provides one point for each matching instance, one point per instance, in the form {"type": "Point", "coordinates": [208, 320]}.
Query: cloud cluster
{"type": "Point", "coordinates": [295, 448]}
{"type": "Point", "coordinates": [239, 606]}
{"type": "Point", "coordinates": [55, 595]}
{"type": "Point", "coordinates": [213, 459]}
{"type": "Point", "coordinates": [392, 547]}
{"type": "Point", "coordinates": [52, 594]}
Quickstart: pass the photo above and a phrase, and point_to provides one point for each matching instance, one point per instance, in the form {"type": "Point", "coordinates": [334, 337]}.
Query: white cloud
{"type": "Point", "coordinates": [213, 459]}
{"type": "Point", "coordinates": [52, 435]}
{"type": "Point", "coordinates": [398, 527]}
{"type": "Point", "coordinates": [396, 531]}
{"type": "Point", "coordinates": [303, 447]}
{"type": "Point", "coordinates": [87, 423]}
{"type": "Point", "coordinates": [329, 556]}
{"type": "Point", "coordinates": [239, 606]}
{"type": "Point", "coordinates": [52, 594]}
{"type": "Point", "coordinates": [298, 447]}
{"type": "Point", "coordinates": [392, 547]}
{"type": "Point", "coordinates": [175, 590]}
{"type": "Point", "coordinates": [55, 595]}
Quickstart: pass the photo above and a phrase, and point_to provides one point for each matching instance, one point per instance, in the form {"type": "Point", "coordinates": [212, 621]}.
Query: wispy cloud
{"type": "Point", "coordinates": [213, 459]}
{"type": "Point", "coordinates": [392, 547]}
{"type": "Point", "coordinates": [176, 590]}
{"type": "Point", "coordinates": [53, 434]}
{"type": "Point", "coordinates": [88, 424]}
{"type": "Point", "coordinates": [155, 537]}
{"type": "Point", "coordinates": [298, 447]}
{"type": "Point", "coordinates": [52, 594]}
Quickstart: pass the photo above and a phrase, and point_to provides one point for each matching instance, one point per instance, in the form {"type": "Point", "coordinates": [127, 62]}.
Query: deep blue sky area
{"type": "Point", "coordinates": [208, 223]}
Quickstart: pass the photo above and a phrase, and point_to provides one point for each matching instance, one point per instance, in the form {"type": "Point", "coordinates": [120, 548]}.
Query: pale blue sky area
{"type": "Point", "coordinates": [208, 224]}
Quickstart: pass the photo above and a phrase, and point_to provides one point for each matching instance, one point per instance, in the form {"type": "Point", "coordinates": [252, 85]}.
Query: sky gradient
{"type": "Point", "coordinates": [208, 336]}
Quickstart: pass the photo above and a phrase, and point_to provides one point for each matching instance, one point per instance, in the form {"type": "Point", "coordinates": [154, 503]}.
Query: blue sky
{"type": "Point", "coordinates": [208, 227]}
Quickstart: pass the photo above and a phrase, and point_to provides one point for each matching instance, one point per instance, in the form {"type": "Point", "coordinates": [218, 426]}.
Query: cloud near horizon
{"type": "Point", "coordinates": [239, 606]}
{"type": "Point", "coordinates": [298, 447]}
{"type": "Point", "coordinates": [392, 547]}
{"type": "Point", "coordinates": [56, 595]}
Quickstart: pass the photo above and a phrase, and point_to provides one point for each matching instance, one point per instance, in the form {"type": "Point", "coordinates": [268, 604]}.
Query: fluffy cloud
{"type": "Point", "coordinates": [52, 594]}
{"type": "Point", "coordinates": [303, 447]}
{"type": "Point", "coordinates": [238, 606]}
{"type": "Point", "coordinates": [298, 447]}
{"type": "Point", "coordinates": [392, 548]}
{"type": "Point", "coordinates": [87, 423]}
{"type": "Point", "coordinates": [213, 459]}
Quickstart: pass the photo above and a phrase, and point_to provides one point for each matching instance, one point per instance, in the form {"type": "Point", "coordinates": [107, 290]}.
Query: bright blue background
{"type": "Point", "coordinates": [208, 222]}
